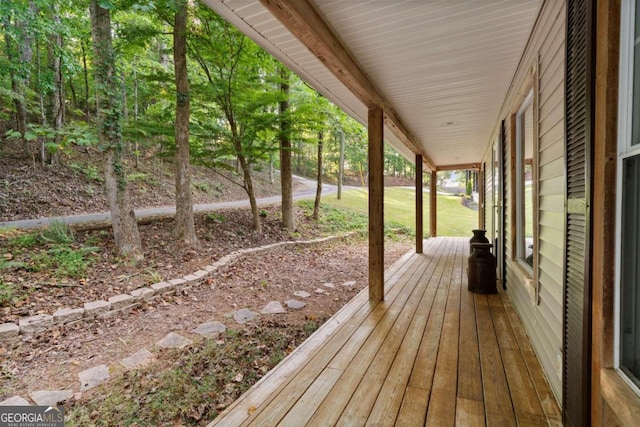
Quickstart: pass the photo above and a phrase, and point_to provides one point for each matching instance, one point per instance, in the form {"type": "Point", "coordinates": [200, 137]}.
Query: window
{"type": "Point", "coordinates": [628, 268]}
{"type": "Point", "coordinates": [525, 179]}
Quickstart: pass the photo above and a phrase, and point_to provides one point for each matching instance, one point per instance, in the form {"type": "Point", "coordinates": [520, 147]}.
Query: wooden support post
{"type": "Point", "coordinates": [376, 205]}
{"type": "Point", "coordinates": [419, 204]}
{"type": "Point", "coordinates": [432, 205]}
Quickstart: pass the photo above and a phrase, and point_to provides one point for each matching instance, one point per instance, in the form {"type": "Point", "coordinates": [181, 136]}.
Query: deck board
{"type": "Point", "coordinates": [430, 353]}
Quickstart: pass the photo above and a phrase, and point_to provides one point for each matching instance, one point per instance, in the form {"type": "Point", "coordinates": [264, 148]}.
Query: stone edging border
{"type": "Point", "coordinates": [104, 309]}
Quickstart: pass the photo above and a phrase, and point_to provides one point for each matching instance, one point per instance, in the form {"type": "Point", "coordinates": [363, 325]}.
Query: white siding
{"type": "Point", "coordinates": [543, 322]}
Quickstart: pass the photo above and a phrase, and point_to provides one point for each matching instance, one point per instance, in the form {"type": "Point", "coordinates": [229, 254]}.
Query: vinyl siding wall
{"type": "Point", "coordinates": [543, 322]}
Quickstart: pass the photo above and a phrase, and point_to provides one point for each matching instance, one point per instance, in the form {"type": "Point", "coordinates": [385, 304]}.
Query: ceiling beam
{"type": "Point", "coordinates": [460, 167]}
{"type": "Point", "coordinates": [304, 21]}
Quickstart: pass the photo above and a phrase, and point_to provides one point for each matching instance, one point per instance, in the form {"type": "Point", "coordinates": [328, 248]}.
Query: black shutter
{"type": "Point", "coordinates": [576, 381]}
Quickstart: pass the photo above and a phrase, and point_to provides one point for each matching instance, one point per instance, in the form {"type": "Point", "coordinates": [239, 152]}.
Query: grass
{"type": "Point", "coordinates": [338, 219]}
{"type": "Point", "coordinates": [453, 219]}
{"type": "Point", "coordinates": [189, 387]}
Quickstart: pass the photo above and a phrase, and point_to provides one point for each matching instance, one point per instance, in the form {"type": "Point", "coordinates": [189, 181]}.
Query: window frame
{"type": "Point", "coordinates": [519, 252]}
{"type": "Point", "coordinates": [625, 150]}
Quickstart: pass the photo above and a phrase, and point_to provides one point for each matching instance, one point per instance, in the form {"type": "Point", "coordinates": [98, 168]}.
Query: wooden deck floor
{"type": "Point", "coordinates": [432, 353]}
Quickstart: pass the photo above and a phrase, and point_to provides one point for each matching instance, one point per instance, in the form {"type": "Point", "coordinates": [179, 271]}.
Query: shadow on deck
{"type": "Point", "coordinates": [431, 353]}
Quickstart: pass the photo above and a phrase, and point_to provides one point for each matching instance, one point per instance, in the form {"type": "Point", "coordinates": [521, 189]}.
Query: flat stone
{"type": "Point", "coordinates": [9, 331]}
{"type": "Point", "coordinates": [349, 284]}
{"type": "Point", "coordinates": [210, 329]}
{"type": "Point", "coordinates": [295, 304]}
{"type": "Point", "coordinates": [274, 307]}
{"type": "Point", "coordinates": [50, 397]}
{"type": "Point", "coordinates": [37, 323]}
{"type": "Point", "coordinates": [211, 268]}
{"type": "Point", "coordinates": [329, 285]}
{"type": "Point", "coordinates": [176, 282]}
{"type": "Point", "coordinates": [200, 274]}
{"type": "Point", "coordinates": [302, 294]}
{"type": "Point", "coordinates": [190, 278]}
{"type": "Point", "coordinates": [66, 315]}
{"type": "Point", "coordinates": [120, 301]}
{"type": "Point", "coordinates": [138, 359]}
{"type": "Point", "coordinates": [162, 287]}
{"type": "Point", "coordinates": [173, 340]}
{"type": "Point", "coordinates": [320, 291]}
{"type": "Point", "coordinates": [244, 315]}
{"type": "Point", "coordinates": [93, 377]}
{"type": "Point", "coordinates": [93, 308]}
{"type": "Point", "coordinates": [142, 294]}
{"type": "Point", "coordinates": [15, 401]}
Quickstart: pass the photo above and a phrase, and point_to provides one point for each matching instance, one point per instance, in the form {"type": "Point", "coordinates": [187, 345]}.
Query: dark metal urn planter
{"type": "Point", "coordinates": [482, 269]}
{"type": "Point", "coordinates": [478, 237]}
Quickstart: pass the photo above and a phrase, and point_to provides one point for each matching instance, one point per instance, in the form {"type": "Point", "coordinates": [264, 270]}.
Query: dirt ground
{"type": "Point", "coordinates": [29, 190]}
{"type": "Point", "coordinates": [42, 290]}
{"type": "Point", "coordinates": [53, 359]}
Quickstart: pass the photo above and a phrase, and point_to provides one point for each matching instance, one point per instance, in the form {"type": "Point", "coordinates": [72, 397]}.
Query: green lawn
{"type": "Point", "coordinates": [399, 206]}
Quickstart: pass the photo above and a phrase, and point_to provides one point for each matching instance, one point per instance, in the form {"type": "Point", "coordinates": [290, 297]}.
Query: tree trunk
{"type": "Point", "coordinates": [56, 99]}
{"type": "Point", "coordinates": [74, 96]}
{"type": "Point", "coordinates": [248, 186]}
{"type": "Point", "coordinates": [43, 112]}
{"type": "Point", "coordinates": [316, 204]}
{"type": "Point", "coordinates": [271, 175]}
{"type": "Point", "coordinates": [20, 79]}
{"type": "Point", "coordinates": [299, 155]}
{"type": "Point", "coordinates": [123, 219]}
{"type": "Point", "coordinates": [135, 95]}
{"type": "Point", "coordinates": [286, 172]}
{"type": "Point", "coordinates": [341, 166]}
{"type": "Point", "coordinates": [85, 72]}
{"type": "Point", "coordinates": [135, 115]}
{"type": "Point", "coordinates": [184, 230]}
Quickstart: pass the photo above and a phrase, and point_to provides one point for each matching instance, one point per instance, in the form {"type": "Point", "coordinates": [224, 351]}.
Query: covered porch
{"type": "Point", "coordinates": [430, 353]}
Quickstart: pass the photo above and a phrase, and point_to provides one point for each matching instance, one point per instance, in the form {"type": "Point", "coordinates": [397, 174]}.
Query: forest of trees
{"type": "Point", "coordinates": [170, 78]}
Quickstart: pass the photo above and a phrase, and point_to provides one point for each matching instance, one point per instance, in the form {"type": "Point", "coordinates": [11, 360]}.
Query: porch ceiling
{"type": "Point", "coordinates": [443, 68]}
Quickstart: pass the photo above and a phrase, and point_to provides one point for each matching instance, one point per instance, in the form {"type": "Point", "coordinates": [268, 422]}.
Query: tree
{"type": "Point", "coordinates": [184, 230]}
{"type": "Point", "coordinates": [55, 110]}
{"type": "Point", "coordinates": [316, 204]}
{"type": "Point", "coordinates": [18, 37]}
{"type": "Point", "coordinates": [286, 172]}
{"type": "Point", "coordinates": [125, 227]}
{"type": "Point", "coordinates": [237, 73]}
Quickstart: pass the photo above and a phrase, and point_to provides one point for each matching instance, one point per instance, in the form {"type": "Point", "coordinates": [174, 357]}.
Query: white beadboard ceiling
{"type": "Point", "coordinates": [444, 66]}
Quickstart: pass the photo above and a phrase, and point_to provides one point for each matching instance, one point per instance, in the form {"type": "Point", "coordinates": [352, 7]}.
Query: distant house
{"type": "Point", "coordinates": [544, 93]}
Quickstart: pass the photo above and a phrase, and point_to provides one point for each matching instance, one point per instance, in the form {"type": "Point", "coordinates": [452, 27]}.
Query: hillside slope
{"type": "Point", "coordinates": [28, 190]}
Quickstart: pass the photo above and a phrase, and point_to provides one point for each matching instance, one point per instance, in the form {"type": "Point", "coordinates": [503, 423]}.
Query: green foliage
{"type": "Point", "coordinates": [12, 265]}
{"type": "Point", "coordinates": [91, 172]}
{"type": "Point", "coordinates": [137, 176]}
{"type": "Point", "coordinates": [216, 217]}
{"type": "Point", "coordinates": [58, 232]}
{"type": "Point", "coordinates": [7, 293]}
{"type": "Point", "coordinates": [469, 188]}
{"type": "Point", "coordinates": [10, 294]}
{"type": "Point", "coordinates": [66, 261]}
{"type": "Point", "coordinates": [27, 240]}
{"type": "Point", "coordinates": [52, 249]}
{"type": "Point", "coordinates": [337, 220]}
